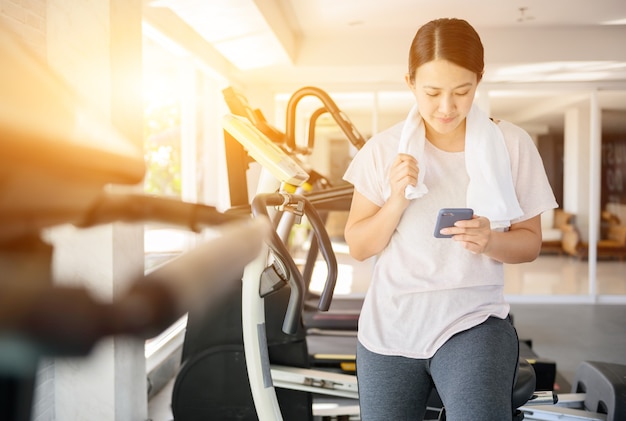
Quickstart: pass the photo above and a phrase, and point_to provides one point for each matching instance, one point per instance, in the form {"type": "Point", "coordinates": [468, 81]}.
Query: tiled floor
{"type": "Point", "coordinates": [572, 333]}
{"type": "Point", "coordinates": [549, 275]}
{"type": "Point", "coordinates": [564, 275]}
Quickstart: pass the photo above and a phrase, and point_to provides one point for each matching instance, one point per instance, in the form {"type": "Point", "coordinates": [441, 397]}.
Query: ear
{"type": "Point", "coordinates": [409, 81]}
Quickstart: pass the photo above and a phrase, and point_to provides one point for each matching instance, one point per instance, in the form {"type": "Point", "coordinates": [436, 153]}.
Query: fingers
{"type": "Point", "coordinates": [404, 171]}
{"type": "Point", "coordinates": [475, 222]}
{"type": "Point", "coordinates": [473, 234]}
{"type": "Point", "coordinates": [466, 226]}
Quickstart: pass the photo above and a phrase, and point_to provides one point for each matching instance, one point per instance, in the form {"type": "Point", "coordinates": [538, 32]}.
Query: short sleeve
{"type": "Point", "coordinates": [368, 171]}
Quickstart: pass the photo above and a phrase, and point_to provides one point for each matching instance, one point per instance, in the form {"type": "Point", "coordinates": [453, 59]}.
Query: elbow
{"type": "Point", "coordinates": [531, 256]}
{"type": "Point", "coordinates": [534, 252]}
{"type": "Point", "coordinates": [356, 251]}
{"type": "Point", "coordinates": [524, 245]}
{"type": "Point", "coordinates": [534, 248]}
{"type": "Point", "coordinates": [356, 248]}
{"type": "Point", "coordinates": [530, 253]}
{"type": "Point", "coordinates": [358, 255]}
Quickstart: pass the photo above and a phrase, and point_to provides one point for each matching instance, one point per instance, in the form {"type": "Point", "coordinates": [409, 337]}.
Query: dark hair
{"type": "Point", "coordinates": [453, 40]}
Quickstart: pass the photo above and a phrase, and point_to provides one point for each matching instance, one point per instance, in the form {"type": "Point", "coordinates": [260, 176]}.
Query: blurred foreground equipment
{"type": "Point", "coordinates": [57, 159]}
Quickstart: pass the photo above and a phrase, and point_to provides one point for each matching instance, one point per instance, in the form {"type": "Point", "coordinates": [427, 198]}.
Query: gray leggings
{"type": "Point", "coordinates": [474, 373]}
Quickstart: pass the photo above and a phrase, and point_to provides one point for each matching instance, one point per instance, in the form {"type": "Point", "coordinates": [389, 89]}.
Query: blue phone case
{"type": "Point", "coordinates": [448, 216]}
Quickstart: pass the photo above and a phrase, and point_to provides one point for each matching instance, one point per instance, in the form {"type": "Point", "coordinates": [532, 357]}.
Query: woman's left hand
{"type": "Point", "coordinates": [473, 234]}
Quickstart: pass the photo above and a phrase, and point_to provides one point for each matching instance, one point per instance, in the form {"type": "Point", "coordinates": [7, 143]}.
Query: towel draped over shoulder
{"type": "Point", "coordinates": [490, 192]}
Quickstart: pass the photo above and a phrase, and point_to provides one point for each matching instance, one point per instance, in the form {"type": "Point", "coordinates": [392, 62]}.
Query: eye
{"type": "Point", "coordinates": [432, 93]}
{"type": "Point", "coordinates": [462, 93]}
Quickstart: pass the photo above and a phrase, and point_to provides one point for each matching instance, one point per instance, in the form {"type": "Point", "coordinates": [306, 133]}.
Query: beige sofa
{"type": "Point", "coordinates": [611, 247]}
{"type": "Point", "coordinates": [552, 223]}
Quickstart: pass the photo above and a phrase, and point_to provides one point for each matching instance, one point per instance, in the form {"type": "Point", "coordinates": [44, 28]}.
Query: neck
{"type": "Point", "coordinates": [453, 141]}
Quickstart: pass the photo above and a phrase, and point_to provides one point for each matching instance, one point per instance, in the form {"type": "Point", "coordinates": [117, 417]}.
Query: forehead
{"type": "Point", "coordinates": [443, 74]}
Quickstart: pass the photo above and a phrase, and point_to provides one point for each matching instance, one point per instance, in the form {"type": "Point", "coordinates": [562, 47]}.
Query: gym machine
{"type": "Point", "coordinates": [318, 189]}
{"type": "Point", "coordinates": [598, 394]}
{"type": "Point", "coordinates": [331, 335]}
{"type": "Point", "coordinates": [212, 380]}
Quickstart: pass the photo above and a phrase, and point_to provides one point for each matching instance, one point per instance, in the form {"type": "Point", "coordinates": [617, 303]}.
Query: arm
{"type": "Point", "coordinates": [522, 243]}
{"type": "Point", "coordinates": [369, 226]}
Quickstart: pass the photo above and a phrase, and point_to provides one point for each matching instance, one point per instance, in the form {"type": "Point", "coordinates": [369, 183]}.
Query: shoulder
{"type": "Point", "coordinates": [389, 137]}
{"type": "Point", "coordinates": [369, 168]}
{"type": "Point", "coordinates": [512, 131]}
{"type": "Point", "coordinates": [384, 143]}
{"type": "Point", "coordinates": [516, 139]}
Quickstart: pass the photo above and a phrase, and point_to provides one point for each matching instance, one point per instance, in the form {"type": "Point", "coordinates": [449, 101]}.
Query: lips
{"type": "Point", "coordinates": [446, 120]}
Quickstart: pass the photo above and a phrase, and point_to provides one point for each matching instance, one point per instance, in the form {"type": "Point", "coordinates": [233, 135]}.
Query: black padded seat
{"type": "Point", "coordinates": [525, 384]}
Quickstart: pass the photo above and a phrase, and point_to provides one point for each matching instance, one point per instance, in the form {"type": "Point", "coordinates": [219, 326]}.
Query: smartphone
{"type": "Point", "coordinates": [448, 216]}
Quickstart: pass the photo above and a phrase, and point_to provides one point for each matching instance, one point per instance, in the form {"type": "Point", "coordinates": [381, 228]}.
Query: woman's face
{"type": "Point", "coordinates": [444, 94]}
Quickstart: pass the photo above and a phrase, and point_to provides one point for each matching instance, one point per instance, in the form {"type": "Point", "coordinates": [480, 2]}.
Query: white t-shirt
{"type": "Point", "coordinates": [426, 289]}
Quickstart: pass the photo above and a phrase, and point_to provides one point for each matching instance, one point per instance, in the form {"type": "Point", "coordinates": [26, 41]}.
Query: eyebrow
{"type": "Point", "coordinates": [464, 85]}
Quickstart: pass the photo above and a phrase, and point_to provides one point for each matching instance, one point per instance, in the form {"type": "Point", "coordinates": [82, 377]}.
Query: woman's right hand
{"type": "Point", "coordinates": [370, 227]}
{"type": "Point", "coordinates": [403, 173]}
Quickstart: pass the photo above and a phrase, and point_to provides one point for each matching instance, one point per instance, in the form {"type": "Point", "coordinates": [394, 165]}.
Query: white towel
{"type": "Point", "coordinates": [490, 192]}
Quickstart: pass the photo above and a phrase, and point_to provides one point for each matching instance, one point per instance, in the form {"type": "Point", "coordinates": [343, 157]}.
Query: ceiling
{"type": "Point", "coordinates": [541, 56]}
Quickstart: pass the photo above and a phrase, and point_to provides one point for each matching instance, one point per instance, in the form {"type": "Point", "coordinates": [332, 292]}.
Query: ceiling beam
{"type": "Point", "coordinates": [278, 23]}
{"type": "Point", "coordinates": [180, 33]}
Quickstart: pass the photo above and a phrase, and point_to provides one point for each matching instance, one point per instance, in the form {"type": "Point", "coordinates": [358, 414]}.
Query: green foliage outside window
{"type": "Point", "coordinates": [162, 151]}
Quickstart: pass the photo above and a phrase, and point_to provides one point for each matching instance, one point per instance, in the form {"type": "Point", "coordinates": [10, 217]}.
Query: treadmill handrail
{"type": "Point", "coordinates": [297, 283]}
{"type": "Point", "coordinates": [339, 116]}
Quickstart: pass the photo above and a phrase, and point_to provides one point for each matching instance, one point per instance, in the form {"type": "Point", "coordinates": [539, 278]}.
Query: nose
{"type": "Point", "coordinates": [446, 104]}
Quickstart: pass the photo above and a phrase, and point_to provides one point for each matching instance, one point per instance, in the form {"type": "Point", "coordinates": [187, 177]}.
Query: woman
{"type": "Point", "coordinates": [435, 314]}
